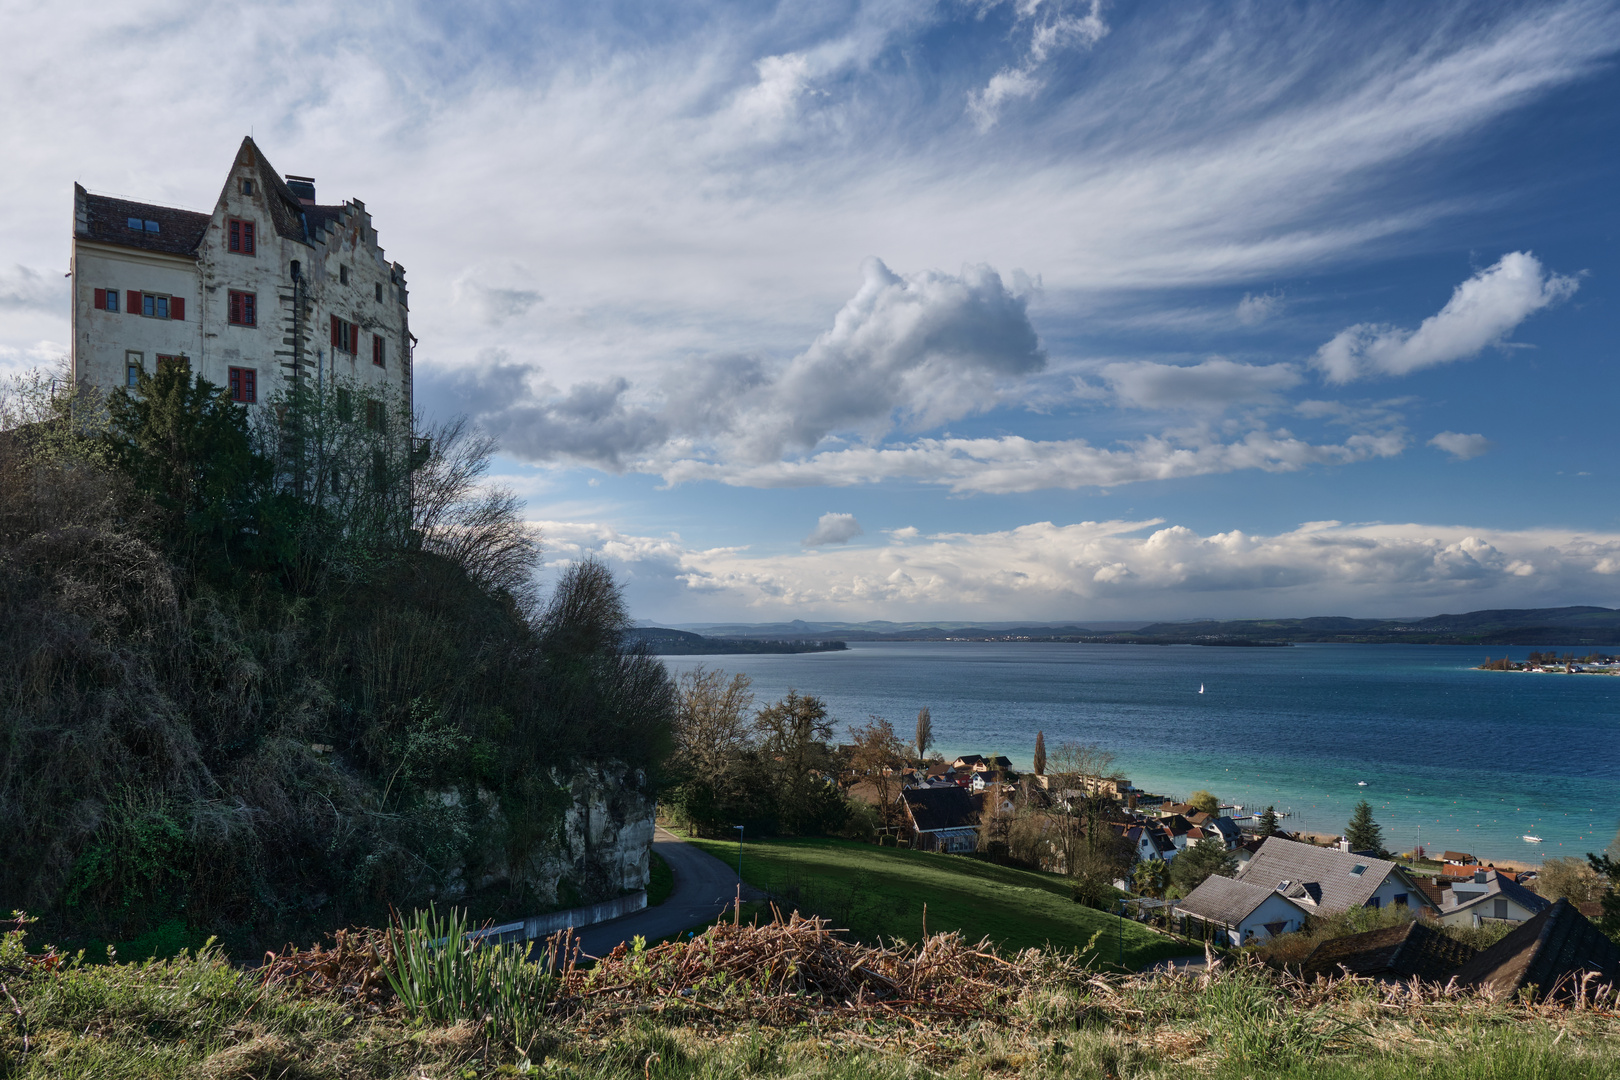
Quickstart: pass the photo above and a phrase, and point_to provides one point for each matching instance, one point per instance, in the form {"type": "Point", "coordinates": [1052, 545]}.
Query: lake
{"type": "Point", "coordinates": [1460, 759]}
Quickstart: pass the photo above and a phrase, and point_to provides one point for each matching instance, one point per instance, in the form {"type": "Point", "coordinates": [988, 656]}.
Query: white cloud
{"type": "Point", "coordinates": [1016, 464]}
{"type": "Point", "coordinates": [1051, 28]}
{"type": "Point", "coordinates": [1482, 312]}
{"type": "Point", "coordinates": [1255, 309]}
{"type": "Point", "coordinates": [1460, 446]}
{"type": "Point", "coordinates": [833, 529]}
{"type": "Point", "coordinates": [1213, 383]}
{"type": "Point", "coordinates": [1120, 568]}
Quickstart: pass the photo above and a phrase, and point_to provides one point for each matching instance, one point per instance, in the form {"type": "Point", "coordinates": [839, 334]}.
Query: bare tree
{"type": "Point", "coordinates": [713, 741]}
{"type": "Point", "coordinates": [925, 732]}
{"type": "Point", "coordinates": [877, 758]}
{"type": "Point", "coordinates": [476, 525]}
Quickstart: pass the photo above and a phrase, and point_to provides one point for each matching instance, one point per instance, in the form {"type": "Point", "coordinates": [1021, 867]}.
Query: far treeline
{"type": "Point", "coordinates": [1573, 626]}
{"type": "Point", "coordinates": [265, 676]}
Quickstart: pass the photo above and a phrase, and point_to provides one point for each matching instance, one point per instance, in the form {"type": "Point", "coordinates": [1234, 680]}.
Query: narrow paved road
{"type": "Point", "coordinates": [704, 887]}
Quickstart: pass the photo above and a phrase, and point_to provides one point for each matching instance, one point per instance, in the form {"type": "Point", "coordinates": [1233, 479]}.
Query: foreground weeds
{"type": "Point", "coordinates": [788, 998]}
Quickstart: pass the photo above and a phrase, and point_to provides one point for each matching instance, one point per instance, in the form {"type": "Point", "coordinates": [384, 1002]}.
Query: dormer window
{"type": "Point", "coordinates": [241, 237]}
{"type": "Point", "coordinates": [140, 225]}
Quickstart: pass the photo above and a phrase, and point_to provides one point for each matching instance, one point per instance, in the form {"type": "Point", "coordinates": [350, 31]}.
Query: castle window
{"type": "Point", "coordinates": [164, 363]}
{"type": "Point", "coordinates": [379, 292]}
{"type": "Point", "coordinates": [343, 275]}
{"type": "Point", "coordinates": [134, 364]}
{"type": "Point", "coordinates": [247, 187]}
{"type": "Point", "coordinates": [243, 309]}
{"type": "Point", "coordinates": [345, 337]}
{"type": "Point", "coordinates": [151, 226]}
{"type": "Point", "coordinates": [378, 350]}
{"type": "Point", "coordinates": [107, 300]}
{"type": "Point", "coordinates": [244, 384]}
{"type": "Point", "coordinates": [154, 307]}
{"type": "Point", "coordinates": [135, 223]}
{"type": "Point", "coordinates": [241, 236]}
{"type": "Point", "coordinates": [375, 415]}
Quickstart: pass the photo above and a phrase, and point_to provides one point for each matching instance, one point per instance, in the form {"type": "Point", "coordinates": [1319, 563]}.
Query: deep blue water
{"type": "Point", "coordinates": [1473, 759]}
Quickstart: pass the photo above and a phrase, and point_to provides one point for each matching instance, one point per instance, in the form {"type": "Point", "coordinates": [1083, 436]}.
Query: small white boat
{"type": "Point", "coordinates": [1200, 688]}
{"type": "Point", "coordinates": [1532, 839]}
{"type": "Point", "coordinates": [1361, 783]}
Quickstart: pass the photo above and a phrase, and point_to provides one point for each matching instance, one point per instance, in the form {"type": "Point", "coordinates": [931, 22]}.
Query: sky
{"type": "Point", "coordinates": [976, 310]}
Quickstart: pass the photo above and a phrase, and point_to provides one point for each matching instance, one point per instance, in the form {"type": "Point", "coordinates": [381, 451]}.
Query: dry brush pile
{"type": "Point", "coordinates": [934, 999]}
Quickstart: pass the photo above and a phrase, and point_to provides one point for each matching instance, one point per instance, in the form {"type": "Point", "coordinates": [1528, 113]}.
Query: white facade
{"type": "Point", "coordinates": [270, 283]}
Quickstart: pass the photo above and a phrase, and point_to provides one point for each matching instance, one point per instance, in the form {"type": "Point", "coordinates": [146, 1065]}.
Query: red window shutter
{"type": "Point", "coordinates": [235, 315]}
{"type": "Point", "coordinates": [134, 302]}
{"type": "Point", "coordinates": [177, 308]}
{"type": "Point", "coordinates": [101, 299]}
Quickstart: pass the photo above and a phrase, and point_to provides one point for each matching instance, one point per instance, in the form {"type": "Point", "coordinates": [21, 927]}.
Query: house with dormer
{"type": "Point", "coordinates": [1327, 880]}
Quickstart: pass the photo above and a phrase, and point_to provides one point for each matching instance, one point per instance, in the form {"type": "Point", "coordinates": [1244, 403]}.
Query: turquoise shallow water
{"type": "Point", "coordinates": [1463, 759]}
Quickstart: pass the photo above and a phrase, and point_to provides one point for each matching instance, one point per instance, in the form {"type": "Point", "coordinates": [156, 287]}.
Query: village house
{"type": "Point", "coordinates": [1489, 896]}
{"type": "Point", "coordinates": [1231, 911]}
{"type": "Point", "coordinates": [940, 819]}
{"type": "Point", "coordinates": [268, 287]}
{"type": "Point", "coordinates": [1327, 880]}
{"type": "Point", "coordinates": [1548, 956]}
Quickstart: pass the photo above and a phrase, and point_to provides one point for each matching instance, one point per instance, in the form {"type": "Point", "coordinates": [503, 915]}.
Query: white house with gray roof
{"type": "Point", "coordinates": [1326, 880]}
{"type": "Point", "coordinates": [1235, 912]}
{"type": "Point", "coordinates": [1489, 897]}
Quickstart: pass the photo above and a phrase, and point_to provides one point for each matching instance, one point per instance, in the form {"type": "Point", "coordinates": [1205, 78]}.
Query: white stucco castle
{"type": "Point", "coordinates": [269, 287]}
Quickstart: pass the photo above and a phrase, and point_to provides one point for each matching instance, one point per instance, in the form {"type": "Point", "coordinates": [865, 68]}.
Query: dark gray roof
{"type": "Point", "coordinates": [1546, 952]}
{"type": "Point", "coordinates": [939, 808]}
{"type": "Point", "coordinates": [1496, 885]}
{"type": "Point", "coordinates": [1225, 826]}
{"type": "Point", "coordinates": [1413, 949]}
{"type": "Point", "coordinates": [107, 220]}
{"type": "Point", "coordinates": [1227, 901]}
{"type": "Point", "coordinates": [1338, 886]}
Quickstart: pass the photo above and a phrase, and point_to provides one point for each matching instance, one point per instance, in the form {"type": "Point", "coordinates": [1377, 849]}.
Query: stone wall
{"type": "Point", "coordinates": [600, 848]}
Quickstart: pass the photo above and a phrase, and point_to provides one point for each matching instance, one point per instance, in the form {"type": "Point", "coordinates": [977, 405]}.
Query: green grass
{"type": "Point", "coordinates": [660, 881]}
{"type": "Point", "coordinates": [880, 892]}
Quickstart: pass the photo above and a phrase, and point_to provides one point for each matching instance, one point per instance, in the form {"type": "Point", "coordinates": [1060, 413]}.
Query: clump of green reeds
{"type": "Point", "coordinates": [441, 973]}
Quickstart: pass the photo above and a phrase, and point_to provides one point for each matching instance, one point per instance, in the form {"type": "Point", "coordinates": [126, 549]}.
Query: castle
{"type": "Point", "coordinates": [270, 287]}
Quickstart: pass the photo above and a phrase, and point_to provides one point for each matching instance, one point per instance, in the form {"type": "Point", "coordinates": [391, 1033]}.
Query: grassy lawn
{"type": "Point", "coordinates": [660, 883]}
{"type": "Point", "coordinates": [876, 891]}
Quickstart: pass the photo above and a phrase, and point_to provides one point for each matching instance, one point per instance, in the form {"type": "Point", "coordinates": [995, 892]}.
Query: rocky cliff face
{"type": "Point", "coordinates": [597, 843]}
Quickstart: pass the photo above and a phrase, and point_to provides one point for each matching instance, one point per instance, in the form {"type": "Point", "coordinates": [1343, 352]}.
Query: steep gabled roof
{"type": "Point", "coordinates": [939, 808]}
{"type": "Point", "coordinates": [1547, 952]}
{"type": "Point", "coordinates": [286, 212]}
{"type": "Point", "coordinates": [1229, 901]}
{"type": "Point", "coordinates": [1413, 949]}
{"type": "Point", "coordinates": [1333, 872]}
{"type": "Point", "coordinates": [107, 220]}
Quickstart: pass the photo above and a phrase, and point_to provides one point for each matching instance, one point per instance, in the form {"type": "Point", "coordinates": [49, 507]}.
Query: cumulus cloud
{"type": "Point", "coordinates": [1143, 568]}
{"type": "Point", "coordinates": [1460, 446]}
{"type": "Point", "coordinates": [906, 351]}
{"type": "Point", "coordinates": [833, 529]}
{"type": "Point", "coordinates": [1482, 312]}
{"type": "Point", "coordinates": [1213, 383]}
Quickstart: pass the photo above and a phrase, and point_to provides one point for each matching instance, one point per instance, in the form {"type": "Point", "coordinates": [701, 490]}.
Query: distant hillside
{"type": "Point", "coordinates": [666, 642]}
{"type": "Point", "coordinates": [1530, 626]}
